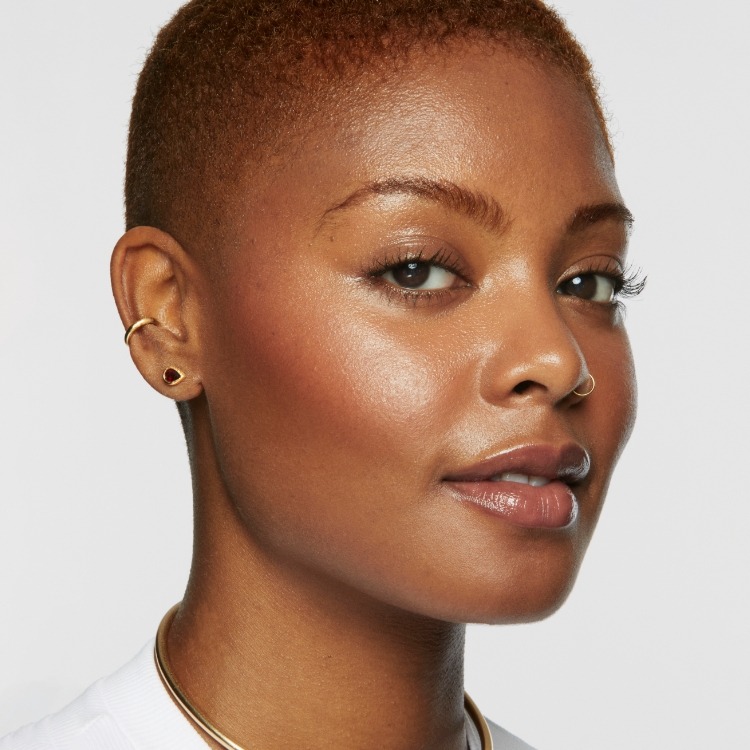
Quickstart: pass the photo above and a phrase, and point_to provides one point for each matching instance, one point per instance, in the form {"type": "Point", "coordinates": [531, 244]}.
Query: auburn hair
{"type": "Point", "coordinates": [227, 81]}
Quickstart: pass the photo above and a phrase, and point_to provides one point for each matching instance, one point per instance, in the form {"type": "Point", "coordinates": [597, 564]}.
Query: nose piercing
{"type": "Point", "coordinates": [589, 391]}
{"type": "Point", "coordinates": [137, 326]}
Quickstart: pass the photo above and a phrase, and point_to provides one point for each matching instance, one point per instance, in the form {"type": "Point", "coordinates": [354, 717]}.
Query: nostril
{"type": "Point", "coordinates": [523, 386]}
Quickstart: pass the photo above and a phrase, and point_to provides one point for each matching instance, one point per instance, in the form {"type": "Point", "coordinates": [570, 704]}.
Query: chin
{"type": "Point", "coordinates": [533, 606]}
{"type": "Point", "coordinates": [520, 593]}
{"type": "Point", "coordinates": [539, 606]}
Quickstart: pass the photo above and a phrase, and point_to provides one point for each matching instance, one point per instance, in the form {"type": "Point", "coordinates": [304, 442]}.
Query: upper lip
{"type": "Point", "coordinates": [569, 463]}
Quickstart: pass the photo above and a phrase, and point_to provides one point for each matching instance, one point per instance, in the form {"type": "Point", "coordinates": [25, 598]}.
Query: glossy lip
{"type": "Point", "coordinates": [552, 506]}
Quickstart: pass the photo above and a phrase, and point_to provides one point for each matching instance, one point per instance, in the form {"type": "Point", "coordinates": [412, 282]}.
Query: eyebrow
{"type": "Point", "coordinates": [477, 206]}
{"type": "Point", "coordinates": [587, 216]}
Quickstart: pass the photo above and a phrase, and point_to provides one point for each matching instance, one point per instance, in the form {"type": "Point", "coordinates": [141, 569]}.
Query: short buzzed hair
{"type": "Point", "coordinates": [227, 80]}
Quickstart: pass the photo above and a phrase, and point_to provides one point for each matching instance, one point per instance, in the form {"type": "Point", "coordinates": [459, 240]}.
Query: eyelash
{"type": "Point", "coordinates": [443, 257]}
{"type": "Point", "coordinates": [628, 282]}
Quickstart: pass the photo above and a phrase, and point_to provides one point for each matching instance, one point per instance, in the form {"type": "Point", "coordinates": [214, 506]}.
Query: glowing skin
{"type": "Point", "coordinates": [340, 394]}
{"type": "Point", "coordinates": [347, 405]}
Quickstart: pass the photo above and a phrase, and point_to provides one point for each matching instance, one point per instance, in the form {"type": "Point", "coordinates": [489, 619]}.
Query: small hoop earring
{"type": "Point", "coordinates": [137, 327]}
{"type": "Point", "coordinates": [589, 391]}
{"type": "Point", "coordinates": [172, 376]}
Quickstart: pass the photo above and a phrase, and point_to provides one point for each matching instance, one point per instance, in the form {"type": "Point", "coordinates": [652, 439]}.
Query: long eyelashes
{"type": "Point", "coordinates": [625, 283]}
{"type": "Point", "coordinates": [443, 257]}
{"type": "Point", "coordinates": [631, 282]}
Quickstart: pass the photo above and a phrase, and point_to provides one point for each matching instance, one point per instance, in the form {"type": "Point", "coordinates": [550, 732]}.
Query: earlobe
{"type": "Point", "coordinates": [153, 282]}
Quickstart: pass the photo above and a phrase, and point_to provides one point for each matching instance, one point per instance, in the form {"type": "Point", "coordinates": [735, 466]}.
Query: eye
{"type": "Point", "coordinates": [420, 275]}
{"type": "Point", "coordinates": [595, 287]}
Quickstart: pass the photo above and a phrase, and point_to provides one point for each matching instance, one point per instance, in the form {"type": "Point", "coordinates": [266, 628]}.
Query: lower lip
{"type": "Point", "coordinates": [553, 506]}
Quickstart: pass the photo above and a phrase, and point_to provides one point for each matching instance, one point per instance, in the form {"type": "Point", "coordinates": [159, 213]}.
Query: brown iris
{"type": "Point", "coordinates": [589, 286]}
{"type": "Point", "coordinates": [411, 275]}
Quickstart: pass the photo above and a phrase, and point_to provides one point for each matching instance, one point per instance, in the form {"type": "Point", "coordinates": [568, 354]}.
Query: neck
{"type": "Point", "coordinates": [272, 667]}
{"type": "Point", "coordinates": [274, 655]}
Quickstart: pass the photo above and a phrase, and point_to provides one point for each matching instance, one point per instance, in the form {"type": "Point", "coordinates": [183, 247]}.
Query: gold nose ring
{"type": "Point", "coordinates": [589, 391]}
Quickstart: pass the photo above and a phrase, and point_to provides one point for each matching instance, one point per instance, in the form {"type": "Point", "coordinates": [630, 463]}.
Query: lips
{"type": "Point", "coordinates": [529, 486]}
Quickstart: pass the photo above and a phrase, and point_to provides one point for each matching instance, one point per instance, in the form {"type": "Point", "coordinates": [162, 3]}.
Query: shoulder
{"type": "Point", "coordinates": [129, 710]}
{"type": "Point", "coordinates": [504, 740]}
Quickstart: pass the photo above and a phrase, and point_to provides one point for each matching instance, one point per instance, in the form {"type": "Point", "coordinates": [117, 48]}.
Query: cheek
{"type": "Point", "coordinates": [620, 395]}
{"type": "Point", "coordinates": [611, 416]}
{"type": "Point", "coordinates": [317, 388]}
{"type": "Point", "coordinates": [327, 436]}
{"type": "Point", "coordinates": [336, 375]}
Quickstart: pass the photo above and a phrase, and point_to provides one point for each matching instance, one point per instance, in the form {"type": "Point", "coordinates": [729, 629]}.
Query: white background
{"type": "Point", "coordinates": [651, 651]}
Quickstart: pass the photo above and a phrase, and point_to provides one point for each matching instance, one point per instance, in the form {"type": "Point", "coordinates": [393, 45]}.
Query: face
{"type": "Point", "coordinates": [397, 331]}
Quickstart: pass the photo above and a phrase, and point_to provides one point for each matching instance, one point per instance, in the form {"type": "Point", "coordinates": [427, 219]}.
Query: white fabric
{"type": "Point", "coordinates": [131, 710]}
{"type": "Point", "coordinates": [504, 740]}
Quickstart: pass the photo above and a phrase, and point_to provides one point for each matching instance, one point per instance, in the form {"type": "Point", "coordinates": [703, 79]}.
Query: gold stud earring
{"type": "Point", "coordinates": [173, 376]}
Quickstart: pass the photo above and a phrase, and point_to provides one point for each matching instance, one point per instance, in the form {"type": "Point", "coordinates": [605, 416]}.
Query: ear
{"type": "Point", "coordinates": [153, 277]}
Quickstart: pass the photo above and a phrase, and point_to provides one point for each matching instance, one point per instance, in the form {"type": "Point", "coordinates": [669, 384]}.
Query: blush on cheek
{"type": "Point", "coordinates": [356, 382]}
{"type": "Point", "coordinates": [309, 366]}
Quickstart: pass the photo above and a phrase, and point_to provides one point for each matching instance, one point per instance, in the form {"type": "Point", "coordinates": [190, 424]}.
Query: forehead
{"type": "Point", "coordinates": [482, 116]}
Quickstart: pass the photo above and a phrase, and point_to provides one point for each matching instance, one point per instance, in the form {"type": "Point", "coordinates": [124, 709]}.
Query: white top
{"type": "Point", "coordinates": [131, 710]}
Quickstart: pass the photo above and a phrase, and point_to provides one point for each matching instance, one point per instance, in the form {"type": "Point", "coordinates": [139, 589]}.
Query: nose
{"type": "Point", "coordinates": [533, 354]}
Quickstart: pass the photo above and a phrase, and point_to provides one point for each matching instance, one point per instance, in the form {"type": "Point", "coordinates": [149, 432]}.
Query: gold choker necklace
{"type": "Point", "coordinates": [167, 678]}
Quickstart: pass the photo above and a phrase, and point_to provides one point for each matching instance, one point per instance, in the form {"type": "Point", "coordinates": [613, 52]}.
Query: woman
{"type": "Point", "coordinates": [376, 253]}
